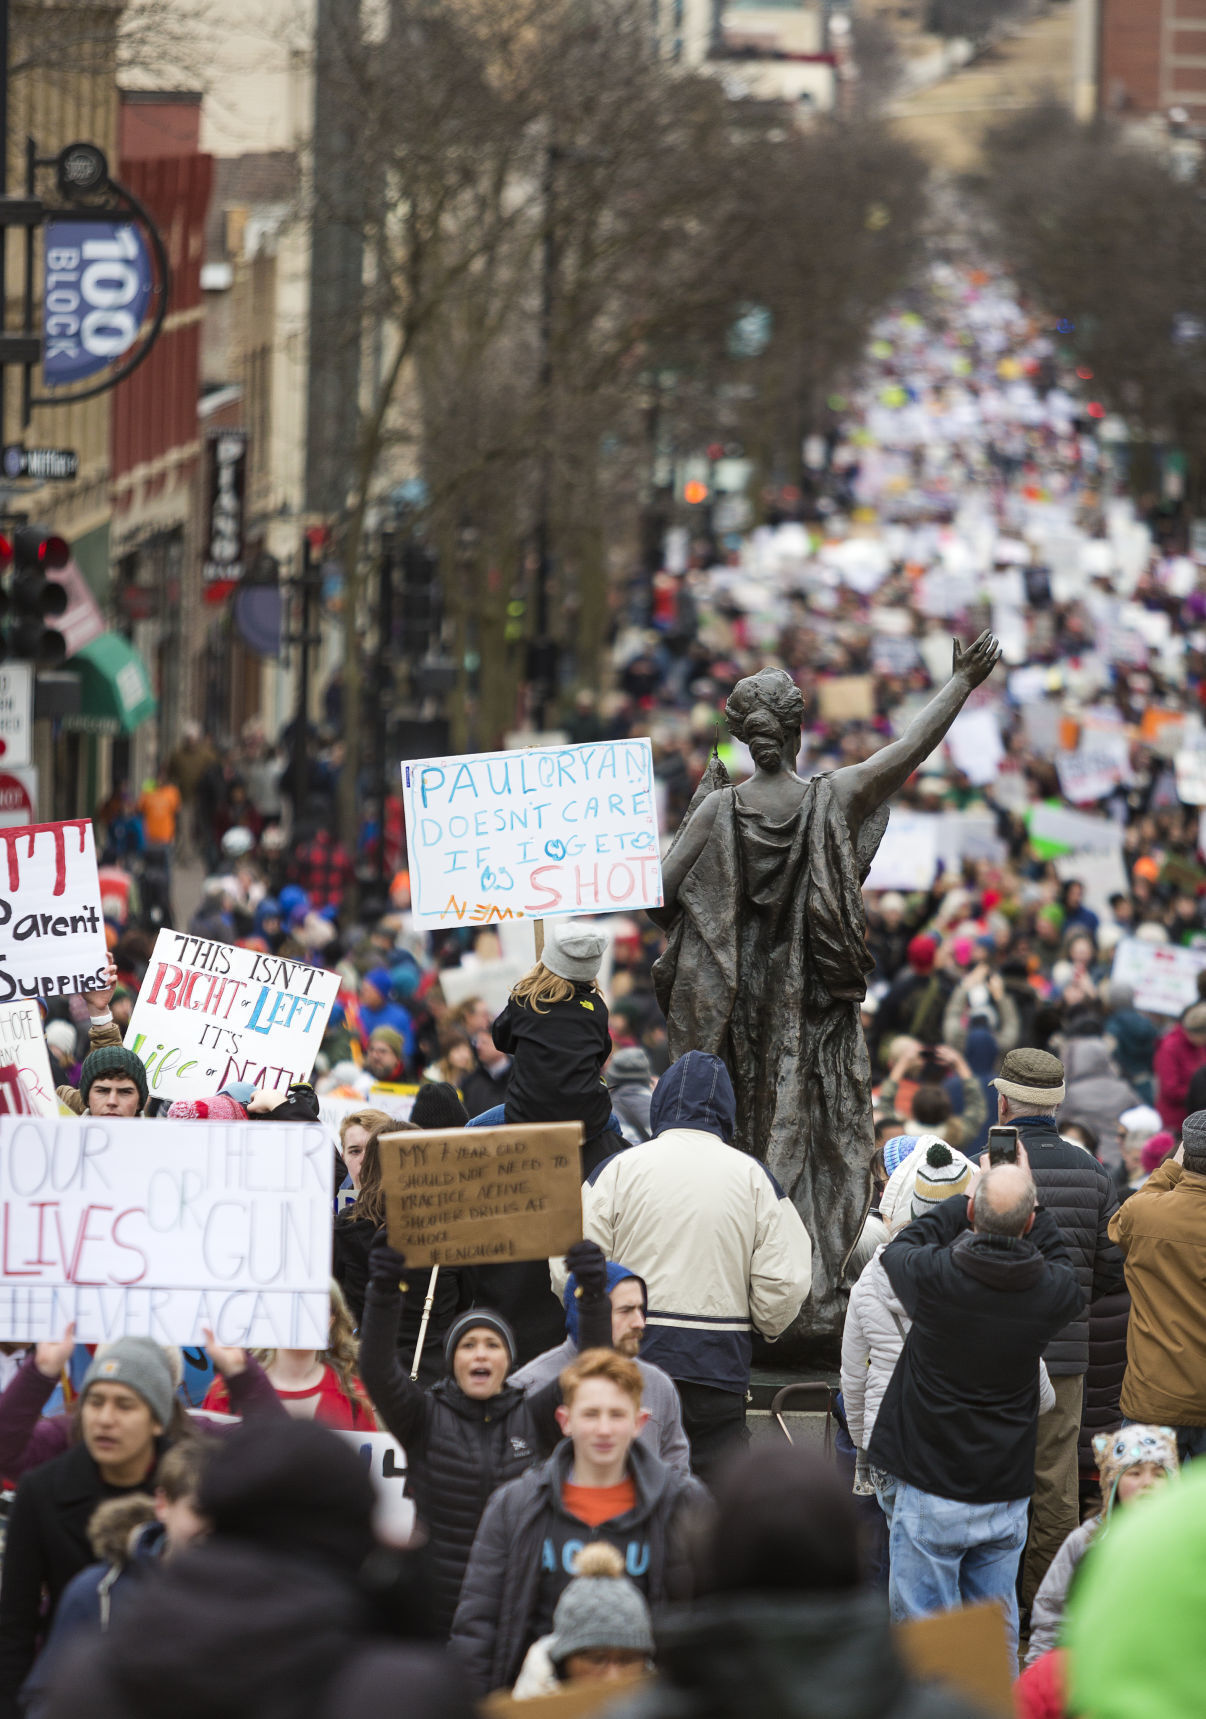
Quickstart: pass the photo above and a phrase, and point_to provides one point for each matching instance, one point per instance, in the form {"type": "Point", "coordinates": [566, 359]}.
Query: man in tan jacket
{"type": "Point", "coordinates": [1161, 1231]}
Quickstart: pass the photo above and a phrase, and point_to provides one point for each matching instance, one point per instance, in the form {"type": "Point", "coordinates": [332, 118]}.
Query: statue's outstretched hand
{"type": "Point", "coordinates": [977, 662]}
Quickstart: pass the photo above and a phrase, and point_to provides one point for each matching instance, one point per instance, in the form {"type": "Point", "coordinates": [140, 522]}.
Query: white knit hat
{"type": "Point", "coordinates": [896, 1203]}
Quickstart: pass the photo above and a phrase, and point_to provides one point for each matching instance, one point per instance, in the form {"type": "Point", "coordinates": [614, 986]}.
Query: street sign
{"type": "Point", "coordinates": [18, 797]}
{"type": "Point", "coordinates": [98, 286]}
{"type": "Point", "coordinates": [60, 464]}
{"type": "Point", "coordinates": [16, 714]}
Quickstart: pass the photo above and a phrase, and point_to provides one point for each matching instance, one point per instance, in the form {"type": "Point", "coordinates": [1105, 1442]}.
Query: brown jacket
{"type": "Point", "coordinates": [1161, 1231]}
{"type": "Point", "coordinates": [98, 1037]}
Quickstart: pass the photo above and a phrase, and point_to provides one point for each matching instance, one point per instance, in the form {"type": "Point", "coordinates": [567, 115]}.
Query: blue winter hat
{"type": "Point", "coordinates": [291, 897]}
{"type": "Point", "coordinates": [615, 1274]}
{"type": "Point", "coordinates": [242, 1091]}
{"type": "Point", "coordinates": [897, 1149]}
{"type": "Point", "coordinates": [379, 978]}
{"type": "Point", "coordinates": [404, 979]}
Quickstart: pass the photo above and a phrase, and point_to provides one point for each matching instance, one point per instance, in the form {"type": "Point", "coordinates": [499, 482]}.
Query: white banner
{"type": "Point", "coordinates": [158, 1229]}
{"type": "Point", "coordinates": [27, 1085]}
{"type": "Point", "coordinates": [1163, 977]}
{"type": "Point", "coordinates": [1102, 875]}
{"type": "Point", "coordinates": [208, 1014]}
{"type": "Point", "coordinates": [52, 936]}
{"type": "Point", "coordinates": [974, 742]}
{"type": "Point", "coordinates": [532, 835]}
{"type": "Point", "coordinates": [1191, 777]}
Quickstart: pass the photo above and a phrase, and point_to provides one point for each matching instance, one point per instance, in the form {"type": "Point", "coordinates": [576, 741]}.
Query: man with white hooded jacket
{"type": "Point", "coordinates": [721, 1248]}
{"type": "Point", "coordinates": [876, 1321]}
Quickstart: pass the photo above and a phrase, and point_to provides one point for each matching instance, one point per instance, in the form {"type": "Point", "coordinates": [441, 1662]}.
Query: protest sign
{"type": "Point", "coordinates": [547, 833]}
{"type": "Point", "coordinates": [974, 740]}
{"type": "Point", "coordinates": [908, 854]}
{"type": "Point", "coordinates": [52, 936]}
{"type": "Point", "coordinates": [1064, 830]}
{"type": "Point", "coordinates": [1102, 876]}
{"type": "Point", "coordinates": [1163, 977]}
{"type": "Point", "coordinates": [483, 1195]}
{"type": "Point", "coordinates": [892, 655]}
{"type": "Point", "coordinates": [846, 698]}
{"type": "Point", "coordinates": [26, 1082]}
{"type": "Point", "coordinates": [1040, 724]}
{"type": "Point", "coordinates": [158, 1229]}
{"type": "Point", "coordinates": [1100, 764]}
{"type": "Point", "coordinates": [395, 1100]}
{"type": "Point", "coordinates": [966, 1649]}
{"type": "Point", "coordinates": [383, 1456]}
{"type": "Point", "coordinates": [209, 1013]}
{"type": "Point", "coordinates": [1191, 778]}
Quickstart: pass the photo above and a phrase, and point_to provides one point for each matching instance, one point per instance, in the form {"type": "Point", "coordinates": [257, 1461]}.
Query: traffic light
{"type": "Point", "coordinates": [420, 600]}
{"type": "Point", "coordinates": [32, 599]}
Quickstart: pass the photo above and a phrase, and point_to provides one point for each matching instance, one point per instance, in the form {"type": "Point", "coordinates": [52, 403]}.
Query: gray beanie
{"type": "Point", "coordinates": [1193, 1138]}
{"type": "Point", "coordinates": [141, 1364]}
{"type": "Point", "coordinates": [631, 1063]}
{"type": "Point", "coordinates": [574, 955]}
{"type": "Point", "coordinates": [600, 1608]}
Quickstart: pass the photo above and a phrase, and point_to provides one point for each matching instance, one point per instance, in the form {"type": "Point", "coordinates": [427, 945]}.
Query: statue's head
{"type": "Point", "coordinates": [766, 710]}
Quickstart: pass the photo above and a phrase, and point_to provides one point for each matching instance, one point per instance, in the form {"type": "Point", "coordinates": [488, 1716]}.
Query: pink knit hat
{"type": "Point", "coordinates": [1156, 1150]}
{"type": "Point", "coordinates": [219, 1108]}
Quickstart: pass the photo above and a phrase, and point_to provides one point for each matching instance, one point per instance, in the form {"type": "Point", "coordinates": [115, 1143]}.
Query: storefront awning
{"type": "Point", "coordinates": [116, 696]}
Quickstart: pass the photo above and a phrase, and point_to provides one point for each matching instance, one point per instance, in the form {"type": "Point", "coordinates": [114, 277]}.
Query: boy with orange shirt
{"type": "Point", "coordinates": [599, 1484]}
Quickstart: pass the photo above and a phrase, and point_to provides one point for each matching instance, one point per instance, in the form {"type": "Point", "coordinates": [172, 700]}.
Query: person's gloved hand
{"type": "Point", "coordinates": [588, 1263]}
{"type": "Point", "coordinates": [386, 1264]}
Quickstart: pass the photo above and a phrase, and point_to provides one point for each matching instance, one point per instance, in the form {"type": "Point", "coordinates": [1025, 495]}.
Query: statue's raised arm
{"type": "Point", "coordinates": [861, 788]}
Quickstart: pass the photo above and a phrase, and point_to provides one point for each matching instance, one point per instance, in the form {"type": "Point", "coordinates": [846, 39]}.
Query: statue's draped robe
{"type": "Point", "coordinates": [766, 967]}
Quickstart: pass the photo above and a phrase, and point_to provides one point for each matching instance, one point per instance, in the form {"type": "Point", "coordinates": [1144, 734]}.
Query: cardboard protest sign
{"type": "Point", "coordinates": [908, 854]}
{"type": "Point", "coordinates": [52, 935]}
{"type": "Point", "coordinates": [966, 1649]}
{"type": "Point", "coordinates": [158, 1229]}
{"type": "Point", "coordinates": [483, 1195]}
{"type": "Point", "coordinates": [26, 1081]}
{"type": "Point", "coordinates": [1163, 977]}
{"type": "Point", "coordinates": [209, 1013]}
{"type": "Point", "coordinates": [846, 698]}
{"type": "Point", "coordinates": [383, 1456]}
{"type": "Point", "coordinates": [532, 835]}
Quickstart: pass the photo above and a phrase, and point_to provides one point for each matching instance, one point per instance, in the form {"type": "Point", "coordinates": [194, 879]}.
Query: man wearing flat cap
{"type": "Point", "coordinates": [1080, 1196]}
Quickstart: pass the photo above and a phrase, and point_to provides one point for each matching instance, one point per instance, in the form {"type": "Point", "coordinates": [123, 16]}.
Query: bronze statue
{"type": "Point", "coordinates": [767, 960]}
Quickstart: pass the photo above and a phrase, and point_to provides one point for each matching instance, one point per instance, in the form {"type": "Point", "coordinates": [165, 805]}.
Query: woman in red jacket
{"type": "Point", "coordinates": [314, 1384]}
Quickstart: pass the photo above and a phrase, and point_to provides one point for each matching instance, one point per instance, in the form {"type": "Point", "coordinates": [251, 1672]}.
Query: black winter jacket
{"type": "Point", "coordinates": [458, 1449]}
{"type": "Point", "coordinates": [959, 1417]}
{"type": "Point", "coordinates": [1109, 1317]}
{"type": "Point", "coordinates": [1082, 1199]}
{"type": "Point", "coordinates": [46, 1545]}
{"type": "Point", "coordinates": [231, 1631]}
{"type": "Point", "coordinates": [498, 1617]}
{"type": "Point", "coordinates": [796, 1656]}
{"type": "Point", "coordinates": [557, 1074]}
{"type": "Point", "coordinates": [353, 1238]}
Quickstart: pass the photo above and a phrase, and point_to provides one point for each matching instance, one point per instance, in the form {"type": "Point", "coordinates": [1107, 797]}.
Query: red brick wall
{"type": "Point", "coordinates": [1130, 55]}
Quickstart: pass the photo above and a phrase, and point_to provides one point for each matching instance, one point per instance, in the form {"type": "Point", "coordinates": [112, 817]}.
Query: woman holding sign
{"type": "Point", "coordinates": [472, 1431]}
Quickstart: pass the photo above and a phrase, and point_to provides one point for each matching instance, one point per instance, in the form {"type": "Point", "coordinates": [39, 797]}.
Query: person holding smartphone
{"type": "Point", "coordinates": [1079, 1194]}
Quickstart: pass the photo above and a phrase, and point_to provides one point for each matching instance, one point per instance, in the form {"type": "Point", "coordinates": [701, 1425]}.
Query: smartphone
{"type": "Point", "coordinates": [1002, 1145]}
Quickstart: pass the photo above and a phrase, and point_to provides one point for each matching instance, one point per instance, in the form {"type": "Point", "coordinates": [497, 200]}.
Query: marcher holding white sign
{"type": "Point", "coordinates": [52, 934]}
{"type": "Point", "coordinates": [162, 1229]}
{"type": "Point", "coordinates": [383, 1456]}
{"type": "Point", "coordinates": [27, 1086]}
{"type": "Point", "coordinates": [540, 834]}
{"type": "Point", "coordinates": [208, 1014]}
{"type": "Point", "coordinates": [1163, 977]}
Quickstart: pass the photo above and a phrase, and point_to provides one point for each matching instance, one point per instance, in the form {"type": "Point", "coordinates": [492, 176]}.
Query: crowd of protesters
{"type": "Point", "coordinates": [1023, 1370]}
